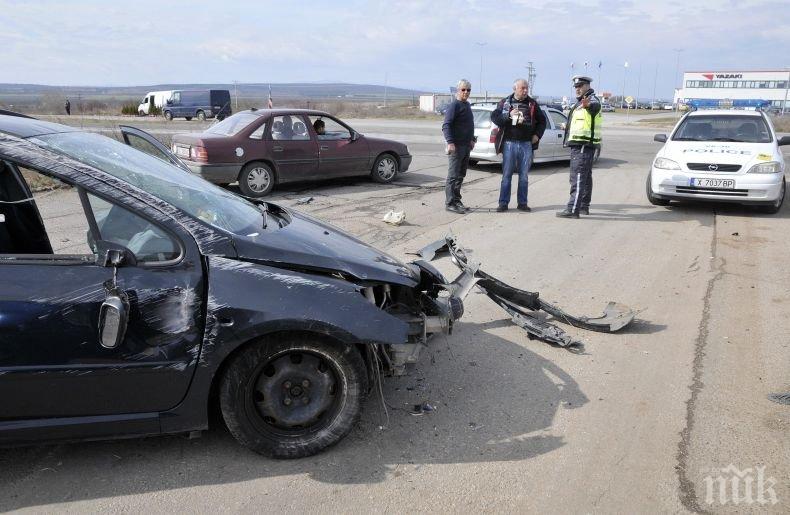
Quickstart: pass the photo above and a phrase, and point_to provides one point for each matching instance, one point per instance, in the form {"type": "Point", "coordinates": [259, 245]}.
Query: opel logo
{"type": "Point", "coordinates": [713, 167]}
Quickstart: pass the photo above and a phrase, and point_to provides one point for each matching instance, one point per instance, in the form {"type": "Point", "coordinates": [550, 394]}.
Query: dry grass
{"type": "Point", "coordinates": [781, 123]}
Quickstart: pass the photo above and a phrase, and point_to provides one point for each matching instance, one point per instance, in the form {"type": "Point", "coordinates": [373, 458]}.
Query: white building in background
{"type": "Point", "coordinates": [772, 85]}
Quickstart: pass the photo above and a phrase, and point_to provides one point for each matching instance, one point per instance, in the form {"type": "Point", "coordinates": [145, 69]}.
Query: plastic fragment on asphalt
{"type": "Point", "coordinates": [394, 217]}
{"type": "Point", "coordinates": [304, 200]}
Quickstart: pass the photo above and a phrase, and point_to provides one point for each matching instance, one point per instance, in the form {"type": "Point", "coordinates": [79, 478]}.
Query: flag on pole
{"type": "Point", "coordinates": [270, 104]}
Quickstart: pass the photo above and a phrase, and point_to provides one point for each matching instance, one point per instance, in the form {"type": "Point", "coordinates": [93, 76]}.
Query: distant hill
{"type": "Point", "coordinates": [317, 91]}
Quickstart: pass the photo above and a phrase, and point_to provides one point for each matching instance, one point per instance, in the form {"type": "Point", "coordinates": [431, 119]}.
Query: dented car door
{"type": "Point", "coordinates": [53, 361]}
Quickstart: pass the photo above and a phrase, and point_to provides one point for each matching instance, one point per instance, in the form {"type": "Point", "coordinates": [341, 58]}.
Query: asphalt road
{"type": "Point", "coordinates": [640, 421]}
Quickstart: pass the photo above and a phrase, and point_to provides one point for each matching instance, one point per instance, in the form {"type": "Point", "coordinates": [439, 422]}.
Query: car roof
{"type": "Point", "coordinates": [724, 112]}
{"type": "Point", "coordinates": [24, 127]}
{"type": "Point", "coordinates": [283, 111]}
{"type": "Point", "coordinates": [489, 106]}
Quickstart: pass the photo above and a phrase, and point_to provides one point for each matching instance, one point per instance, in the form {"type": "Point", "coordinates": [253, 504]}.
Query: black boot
{"type": "Point", "coordinates": [567, 213]}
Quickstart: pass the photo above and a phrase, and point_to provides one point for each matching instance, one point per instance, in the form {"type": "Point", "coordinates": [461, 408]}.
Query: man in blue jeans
{"type": "Point", "coordinates": [521, 124]}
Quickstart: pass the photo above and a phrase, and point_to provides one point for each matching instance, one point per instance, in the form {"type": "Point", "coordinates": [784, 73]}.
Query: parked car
{"type": "Point", "coordinates": [720, 155]}
{"type": "Point", "coordinates": [606, 107]}
{"type": "Point", "coordinates": [550, 148]}
{"type": "Point", "coordinates": [261, 148]}
{"type": "Point", "coordinates": [200, 104]}
{"type": "Point", "coordinates": [134, 294]}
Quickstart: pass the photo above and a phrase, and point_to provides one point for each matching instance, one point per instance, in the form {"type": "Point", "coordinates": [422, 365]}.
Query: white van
{"type": "Point", "coordinates": [155, 98]}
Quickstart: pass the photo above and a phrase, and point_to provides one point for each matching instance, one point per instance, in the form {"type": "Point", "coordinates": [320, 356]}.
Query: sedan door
{"type": "Point", "coordinates": [341, 153]}
{"type": "Point", "coordinates": [293, 149]}
{"type": "Point", "coordinates": [555, 132]}
{"type": "Point", "coordinates": [57, 277]}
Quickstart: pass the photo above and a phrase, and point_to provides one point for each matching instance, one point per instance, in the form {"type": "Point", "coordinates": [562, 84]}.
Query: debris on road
{"type": "Point", "coordinates": [394, 217]}
{"type": "Point", "coordinates": [304, 200]}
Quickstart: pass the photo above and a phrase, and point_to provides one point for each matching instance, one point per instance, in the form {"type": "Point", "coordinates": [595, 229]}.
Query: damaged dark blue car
{"type": "Point", "coordinates": [134, 296]}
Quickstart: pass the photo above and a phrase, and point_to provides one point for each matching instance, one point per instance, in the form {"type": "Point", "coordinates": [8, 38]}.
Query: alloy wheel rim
{"type": "Point", "coordinates": [258, 179]}
{"type": "Point", "coordinates": [386, 168]}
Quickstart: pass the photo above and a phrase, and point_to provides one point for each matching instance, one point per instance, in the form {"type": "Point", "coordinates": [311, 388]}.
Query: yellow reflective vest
{"type": "Point", "coordinates": [584, 129]}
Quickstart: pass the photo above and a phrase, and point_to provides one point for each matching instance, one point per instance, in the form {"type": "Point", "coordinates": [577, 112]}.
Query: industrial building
{"type": "Point", "coordinates": [771, 85]}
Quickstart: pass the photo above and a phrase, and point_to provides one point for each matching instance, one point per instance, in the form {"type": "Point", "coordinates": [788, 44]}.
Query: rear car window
{"type": "Point", "coordinates": [482, 118]}
{"type": "Point", "coordinates": [743, 129]}
{"type": "Point", "coordinates": [232, 125]}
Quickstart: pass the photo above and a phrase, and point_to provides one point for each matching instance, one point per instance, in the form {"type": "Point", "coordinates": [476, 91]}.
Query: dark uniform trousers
{"type": "Point", "coordinates": [581, 177]}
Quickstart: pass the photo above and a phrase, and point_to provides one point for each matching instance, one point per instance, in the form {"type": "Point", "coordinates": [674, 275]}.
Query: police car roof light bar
{"type": "Point", "coordinates": [712, 103]}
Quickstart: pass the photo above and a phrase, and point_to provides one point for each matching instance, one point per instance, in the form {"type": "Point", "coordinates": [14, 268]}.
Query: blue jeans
{"type": "Point", "coordinates": [516, 158]}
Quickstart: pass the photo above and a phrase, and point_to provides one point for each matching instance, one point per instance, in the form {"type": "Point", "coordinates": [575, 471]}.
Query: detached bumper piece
{"type": "Point", "coordinates": [524, 307]}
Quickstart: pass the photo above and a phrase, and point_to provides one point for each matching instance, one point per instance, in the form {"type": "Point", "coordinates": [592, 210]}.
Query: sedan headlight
{"type": "Point", "coordinates": [770, 167]}
{"type": "Point", "coordinates": [666, 164]}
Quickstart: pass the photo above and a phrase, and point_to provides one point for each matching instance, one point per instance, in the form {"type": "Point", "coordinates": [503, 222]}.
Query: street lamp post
{"type": "Point", "coordinates": [787, 87]}
{"type": "Point", "coordinates": [625, 72]}
{"type": "Point", "coordinates": [677, 69]}
{"type": "Point", "coordinates": [480, 83]}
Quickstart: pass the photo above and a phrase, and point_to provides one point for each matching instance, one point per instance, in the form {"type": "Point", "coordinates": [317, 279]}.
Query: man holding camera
{"type": "Point", "coordinates": [459, 133]}
{"type": "Point", "coordinates": [583, 136]}
{"type": "Point", "coordinates": [521, 124]}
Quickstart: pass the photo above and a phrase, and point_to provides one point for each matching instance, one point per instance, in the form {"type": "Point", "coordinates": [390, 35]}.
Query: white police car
{"type": "Point", "coordinates": [720, 155]}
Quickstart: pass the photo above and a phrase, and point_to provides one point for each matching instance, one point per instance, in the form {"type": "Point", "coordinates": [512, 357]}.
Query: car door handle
{"type": "Point", "coordinates": [559, 135]}
{"type": "Point", "coordinates": [324, 147]}
{"type": "Point", "coordinates": [277, 149]}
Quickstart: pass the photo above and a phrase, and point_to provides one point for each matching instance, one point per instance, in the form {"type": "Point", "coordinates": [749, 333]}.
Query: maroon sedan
{"type": "Point", "coordinates": [263, 147]}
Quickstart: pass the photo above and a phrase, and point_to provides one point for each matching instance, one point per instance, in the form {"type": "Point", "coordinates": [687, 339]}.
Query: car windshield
{"type": "Point", "coordinates": [482, 118]}
{"type": "Point", "coordinates": [733, 128]}
{"type": "Point", "coordinates": [191, 194]}
{"type": "Point", "coordinates": [231, 125]}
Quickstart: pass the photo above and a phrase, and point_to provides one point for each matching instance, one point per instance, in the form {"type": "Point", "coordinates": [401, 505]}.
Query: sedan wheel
{"type": "Point", "coordinates": [385, 169]}
{"type": "Point", "coordinates": [774, 208]}
{"type": "Point", "coordinates": [256, 180]}
{"type": "Point", "coordinates": [294, 396]}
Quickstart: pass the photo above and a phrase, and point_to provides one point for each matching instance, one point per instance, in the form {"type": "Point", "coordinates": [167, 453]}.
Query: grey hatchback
{"type": "Point", "coordinates": [260, 148]}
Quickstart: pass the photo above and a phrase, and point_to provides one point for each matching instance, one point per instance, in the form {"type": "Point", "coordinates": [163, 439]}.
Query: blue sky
{"type": "Point", "coordinates": [412, 44]}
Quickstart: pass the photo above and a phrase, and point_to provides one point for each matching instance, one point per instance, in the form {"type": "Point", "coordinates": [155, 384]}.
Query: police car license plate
{"type": "Point", "coordinates": [182, 151]}
{"type": "Point", "coordinates": [725, 184]}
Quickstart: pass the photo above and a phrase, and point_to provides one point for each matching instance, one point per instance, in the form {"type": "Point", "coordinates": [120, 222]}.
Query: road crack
{"type": "Point", "coordinates": [688, 494]}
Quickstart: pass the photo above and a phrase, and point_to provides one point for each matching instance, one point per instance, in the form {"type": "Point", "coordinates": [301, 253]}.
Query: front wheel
{"type": "Point", "coordinates": [256, 180]}
{"type": "Point", "coordinates": [385, 169]}
{"type": "Point", "coordinates": [656, 201]}
{"type": "Point", "coordinates": [774, 208]}
{"type": "Point", "coordinates": [188, 118]}
{"type": "Point", "coordinates": [473, 162]}
{"type": "Point", "coordinates": [293, 397]}
{"type": "Point", "coordinates": [168, 116]}
{"type": "Point", "coordinates": [201, 116]}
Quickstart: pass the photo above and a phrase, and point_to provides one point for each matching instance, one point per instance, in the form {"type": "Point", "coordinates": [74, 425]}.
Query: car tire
{"type": "Point", "coordinates": [188, 118]}
{"type": "Point", "coordinates": [293, 397]}
{"type": "Point", "coordinates": [140, 113]}
{"type": "Point", "coordinates": [385, 169]}
{"type": "Point", "coordinates": [168, 116]}
{"type": "Point", "coordinates": [656, 201]}
{"type": "Point", "coordinates": [473, 162]}
{"type": "Point", "coordinates": [256, 179]}
{"type": "Point", "coordinates": [201, 116]}
{"type": "Point", "coordinates": [774, 208]}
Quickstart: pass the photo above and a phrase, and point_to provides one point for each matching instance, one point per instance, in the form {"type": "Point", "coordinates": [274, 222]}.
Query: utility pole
{"type": "Point", "coordinates": [531, 78]}
{"type": "Point", "coordinates": [787, 87]}
{"type": "Point", "coordinates": [655, 79]}
{"type": "Point", "coordinates": [638, 84]}
{"type": "Point", "coordinates": [480, 83]}
{"type": "Point", "coordinates": [385, 90]}
{"type": "Point", "coordinates": [236, 95]}
{"type": "Point", "coordinates": [625, 72]}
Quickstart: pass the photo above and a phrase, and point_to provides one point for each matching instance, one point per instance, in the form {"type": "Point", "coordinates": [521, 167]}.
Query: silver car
{"type": "Point", "coordinates": [550, 148]}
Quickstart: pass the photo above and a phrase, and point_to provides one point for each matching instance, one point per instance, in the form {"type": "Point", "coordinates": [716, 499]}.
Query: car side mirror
{"type": "Point", "coordinates": [784, 140]}
{"type": "Point", "coordinates": [661, 138]}
{"type": "Point", "coordinates": [113, 320]}
{"type": "Point", "coordinates": [354, 135]}
{"type": "Point", "coordinates": [114, 255]}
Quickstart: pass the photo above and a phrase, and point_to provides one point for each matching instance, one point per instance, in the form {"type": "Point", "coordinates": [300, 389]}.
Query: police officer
{"type": "Point", "coordinates": [583, 136]}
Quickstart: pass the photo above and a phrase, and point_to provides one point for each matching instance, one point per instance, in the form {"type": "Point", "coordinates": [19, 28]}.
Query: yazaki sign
{"type": "Point", "coordinates": [722, 76]}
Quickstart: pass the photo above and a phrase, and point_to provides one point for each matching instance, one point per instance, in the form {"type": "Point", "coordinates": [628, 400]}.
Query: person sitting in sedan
{"type": "Point", "coordinates": [320, 127]}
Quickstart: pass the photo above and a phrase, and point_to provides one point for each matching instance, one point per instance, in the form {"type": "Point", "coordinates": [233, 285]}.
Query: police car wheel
{"type": "Point", "coordinates": [656, 201]}
{"type": "Point", "coordinates": [774, 208]}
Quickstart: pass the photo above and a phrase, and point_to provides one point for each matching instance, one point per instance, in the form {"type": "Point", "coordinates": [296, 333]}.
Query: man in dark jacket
{"type": "Point", "coordinates": [521, 124]}
{"type": "Point", "coordinates": [459, 133]}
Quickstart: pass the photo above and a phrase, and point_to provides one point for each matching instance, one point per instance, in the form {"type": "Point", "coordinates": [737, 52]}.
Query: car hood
{"type": "Point", "coordinates": [718, 152]}
{"type": "Point", "coordinates": [308, 243]}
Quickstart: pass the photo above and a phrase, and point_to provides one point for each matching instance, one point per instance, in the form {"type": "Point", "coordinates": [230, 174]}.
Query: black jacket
{"type": "Point", "coordinates": [534, 121]}
{"type": "Point", "coordinates": [459, 123]}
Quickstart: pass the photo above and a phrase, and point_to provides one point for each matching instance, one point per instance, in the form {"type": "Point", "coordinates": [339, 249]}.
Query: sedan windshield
{"type": "Point", "coordinates": [232, 125]}
{"type": "Point", "coordinates": [733, 128]}
{"type": "Point", "coordinates": [183, 190]}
